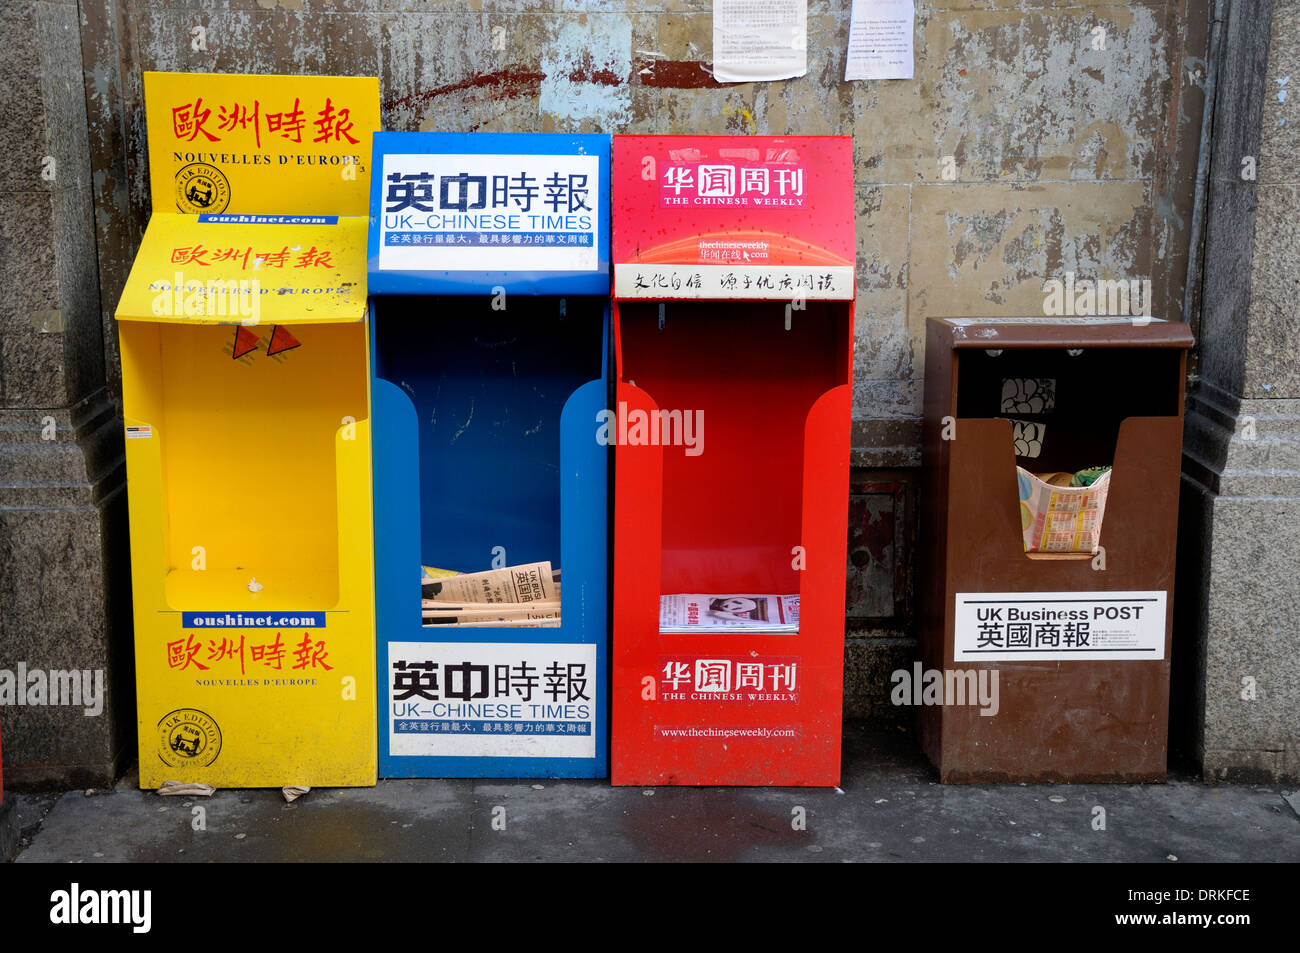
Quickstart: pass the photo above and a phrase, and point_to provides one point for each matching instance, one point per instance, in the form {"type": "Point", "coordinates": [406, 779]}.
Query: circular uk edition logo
{"type": "Point", "coordinates": [201, 187]}
{"type": "Point", "coordinates": [188, 737]}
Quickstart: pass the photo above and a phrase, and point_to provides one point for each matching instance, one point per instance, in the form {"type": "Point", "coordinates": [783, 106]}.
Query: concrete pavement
{"type": "Point", "coordinates": [888, 808]}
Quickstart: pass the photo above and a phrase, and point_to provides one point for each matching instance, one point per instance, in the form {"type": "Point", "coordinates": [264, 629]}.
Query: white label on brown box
{"type": "Point", "coordinates": [1059, 626]}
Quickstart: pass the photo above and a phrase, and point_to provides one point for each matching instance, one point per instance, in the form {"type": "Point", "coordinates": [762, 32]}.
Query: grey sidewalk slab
{"type": "Point", "coordinates": [888, 808]}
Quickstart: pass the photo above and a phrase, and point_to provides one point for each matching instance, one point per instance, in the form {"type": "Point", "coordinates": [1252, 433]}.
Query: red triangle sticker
{"type": "Point", "coordinates": [245, 341]}
{"type": "Point", "coordinates": [281, 340]}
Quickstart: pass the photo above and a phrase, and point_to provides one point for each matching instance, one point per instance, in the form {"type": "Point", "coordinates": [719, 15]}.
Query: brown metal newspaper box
{"type": "Point", "coordinates": [1052, 452]}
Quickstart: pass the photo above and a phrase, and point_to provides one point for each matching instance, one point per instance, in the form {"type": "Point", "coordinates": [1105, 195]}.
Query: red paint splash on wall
{"type": "Point", "coordinates": [674, 74]}
{"type": "Point", "coordinates": [504, 83]}
{"type": "Point", "coordinates": [516, 81]}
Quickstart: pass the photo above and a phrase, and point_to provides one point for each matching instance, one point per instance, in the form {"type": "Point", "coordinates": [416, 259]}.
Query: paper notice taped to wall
{"type": "Point", "coordinates": [880, 40]}
{"type": "Point", "coordinates": [759, 40]}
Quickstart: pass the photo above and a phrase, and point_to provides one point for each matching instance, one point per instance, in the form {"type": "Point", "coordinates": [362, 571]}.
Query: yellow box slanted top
{"type": "Point", "coordinates": [248, 269]}
{"type": "Point", "coordinates": [222, 142]}
{"type": "Point", "coordinates": [260, 188]}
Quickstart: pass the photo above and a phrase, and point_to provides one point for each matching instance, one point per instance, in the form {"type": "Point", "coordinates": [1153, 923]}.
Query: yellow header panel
{"type": "Point", "coordinates": [248, 269]}
{"type": "Point", "coordinates": [238, 143]}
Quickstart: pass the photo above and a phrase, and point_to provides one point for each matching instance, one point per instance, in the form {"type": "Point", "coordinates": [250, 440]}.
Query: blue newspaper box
{"type": "Point", "coordinates": [489, 284]}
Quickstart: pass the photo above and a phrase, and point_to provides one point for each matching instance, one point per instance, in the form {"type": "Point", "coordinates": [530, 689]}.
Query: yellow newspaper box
{"type": "Point", "coordinates": [245, 392]}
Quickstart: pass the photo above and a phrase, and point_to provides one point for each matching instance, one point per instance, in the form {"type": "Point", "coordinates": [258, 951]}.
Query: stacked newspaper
{"type": "Point", "coordinates": [682, 613]}
{"type": "Point", "coordinates": [525, 596]}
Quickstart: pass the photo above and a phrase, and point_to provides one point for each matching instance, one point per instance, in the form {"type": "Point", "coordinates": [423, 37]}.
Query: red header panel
{"type": "Point", "coordinates": [733, 217]}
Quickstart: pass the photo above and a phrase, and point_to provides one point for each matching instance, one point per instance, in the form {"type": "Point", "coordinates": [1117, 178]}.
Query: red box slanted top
{"type": "Point", "coordinates": [733, 217]}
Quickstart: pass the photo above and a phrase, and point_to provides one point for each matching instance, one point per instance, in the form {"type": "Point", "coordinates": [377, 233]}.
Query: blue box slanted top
{"type": "Point", "coordinates": [458, 213]}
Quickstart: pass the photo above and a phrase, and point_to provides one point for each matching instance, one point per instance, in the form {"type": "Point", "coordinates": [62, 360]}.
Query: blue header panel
{"type": "Point", "coordinates": [463, 213]}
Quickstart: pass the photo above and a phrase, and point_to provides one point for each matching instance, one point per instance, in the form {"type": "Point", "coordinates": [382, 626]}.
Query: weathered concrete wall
{"type": "Point", "coordinates": [1066, 156]}
{"type": "Point", "coordinates": [1037, 138]}
{"type": "Point", "coordinates": [1241, 468]}
{"type": "Point", "coordinates": [63, 580]}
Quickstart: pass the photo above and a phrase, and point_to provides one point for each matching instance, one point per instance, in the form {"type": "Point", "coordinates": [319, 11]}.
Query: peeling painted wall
{"type": "Point", "coordinates": [1037, 137]}
{"type": "Point", "coordinates": [1066, 130]}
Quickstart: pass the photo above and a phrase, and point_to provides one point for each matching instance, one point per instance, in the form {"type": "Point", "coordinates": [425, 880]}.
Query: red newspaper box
{"type": "Point", "coordinates": [733, 322]}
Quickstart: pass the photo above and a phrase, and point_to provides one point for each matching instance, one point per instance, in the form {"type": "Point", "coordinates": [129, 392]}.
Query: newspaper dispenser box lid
{"type": "Point", "coordinates": [464, 213]}
{"type": "Point", "coordinates": [731, 217]}
{"type": "Point", "coordinates": [248, 270]}
{"type": "Point", "coordinates": [259, 200]}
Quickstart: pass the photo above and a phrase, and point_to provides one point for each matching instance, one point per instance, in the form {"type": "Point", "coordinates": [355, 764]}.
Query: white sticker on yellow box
{"type": "Point", "coordinates": [495, 700]}
{"type": "Point", "coordinates": [1059, 626]}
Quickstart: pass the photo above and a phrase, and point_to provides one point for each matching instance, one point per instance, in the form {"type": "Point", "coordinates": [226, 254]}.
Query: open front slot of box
{"type": "Point", "coordinates": [247, 450]}
{"type": "Point", "coordinates": [1065, 410]}
{"type": "Point", "coordinates": [1090, 393]}
{"type": "Point", "coordinates": [486, 442]}
{"type": "Point", "coordinates": [985, 512]}
{"type": "Point", "coordinates": [732, 507]}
